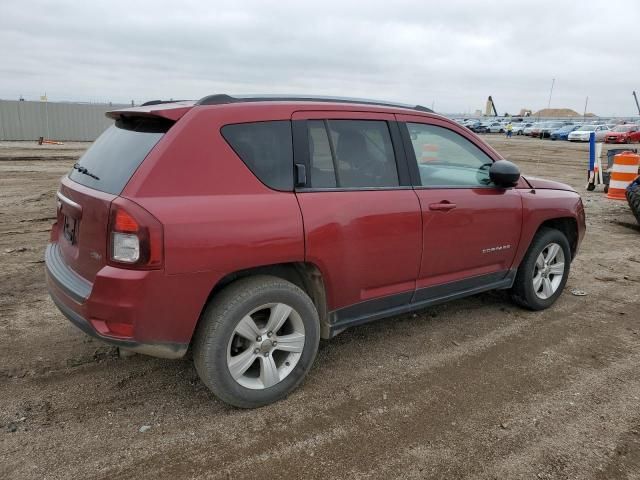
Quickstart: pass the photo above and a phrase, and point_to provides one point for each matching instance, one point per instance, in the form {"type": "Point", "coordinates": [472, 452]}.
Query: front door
{"type": "Point", "coordinates": [362, 219]}
{"type": "Point", "coordinates": [471, 228]}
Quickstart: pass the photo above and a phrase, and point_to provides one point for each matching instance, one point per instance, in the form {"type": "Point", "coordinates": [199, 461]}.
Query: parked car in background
{"type": "Point", "coordinates": [628, 133]}
{"type": "Point", "coordinates": [496, 127]}
{"type": "Point", "coordinates": [479, 127]}
{"type": "Point", "coordinates": [518, 128]}
{"type": "Point", "coordinates": [471, 123]}
{"type": "Point", "coordinates": [535, 130]}
{"type": "Point", "coordinates": [527, 131]}
{"type": "Point", "coordinates": [548, 127]}
{"type": "Point", "coordinates": [582, 134]}
{"type": "Point", "coordinates": [562, 133]}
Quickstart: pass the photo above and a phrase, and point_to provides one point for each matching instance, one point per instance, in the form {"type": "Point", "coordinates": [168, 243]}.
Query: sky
{"type": "Point", "coordinates": [451, 54]}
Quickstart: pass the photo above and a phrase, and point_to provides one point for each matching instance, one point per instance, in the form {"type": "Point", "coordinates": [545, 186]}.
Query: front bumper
{"type": "Point", "coordinates": [79, 301]}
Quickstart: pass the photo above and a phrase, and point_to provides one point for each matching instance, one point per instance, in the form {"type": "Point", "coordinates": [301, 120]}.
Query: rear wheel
{"type": "Point", "coordinates": [256, 341]}
{"type": "Point", "coordinates": [543, 272]}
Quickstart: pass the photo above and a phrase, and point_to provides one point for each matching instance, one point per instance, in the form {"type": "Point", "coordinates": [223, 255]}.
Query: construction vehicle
{"type": "Point", "coordinates": [633, 190]}
{"type": "Point", "coordinates": [633, 197]}
{"type": "Point", "coordinates": [490, 107]}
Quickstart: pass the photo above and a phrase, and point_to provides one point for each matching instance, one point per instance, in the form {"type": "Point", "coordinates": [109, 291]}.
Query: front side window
{"type": "Point", "coordinates": [351, 154]}
{"type": "Point", "coordinates": [266, 148]}
{"type": "Point", "coordinates": [447, 159]}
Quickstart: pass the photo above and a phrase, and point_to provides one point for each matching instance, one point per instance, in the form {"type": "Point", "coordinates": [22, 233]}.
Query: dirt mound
{"type": "Point", "coordinates": [559, 112]}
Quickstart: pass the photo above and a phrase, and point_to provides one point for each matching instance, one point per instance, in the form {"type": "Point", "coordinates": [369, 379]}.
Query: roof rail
{"type": "Point", "coordinates": [223, 99]}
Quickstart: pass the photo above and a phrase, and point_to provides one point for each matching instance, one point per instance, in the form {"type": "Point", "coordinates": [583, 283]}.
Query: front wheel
{"type": "Point", "coordinates": [544, 270]}
{"type": "Point", "coordinates": [256, 341]}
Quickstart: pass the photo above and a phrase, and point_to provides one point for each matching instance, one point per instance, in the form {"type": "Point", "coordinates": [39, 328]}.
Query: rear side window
{"type": "Point", "coordinates": [354, 154]}
{"type": "Point", "coordinates": [113, 158]}
{"type": "Point", "coordinates": [266, 148]}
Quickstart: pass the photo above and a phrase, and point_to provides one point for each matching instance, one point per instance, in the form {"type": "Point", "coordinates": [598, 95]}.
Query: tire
{"type": "Point", "coordinates": [531, 289]}
{"type": "Point", "coordinates": [267, 372]}
{"type": "Point", "coordinates": [633, 197]}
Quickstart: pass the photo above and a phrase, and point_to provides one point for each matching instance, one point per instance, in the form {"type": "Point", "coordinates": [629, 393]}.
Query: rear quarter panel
{"type": "Point", "coordinates": [217, 216]}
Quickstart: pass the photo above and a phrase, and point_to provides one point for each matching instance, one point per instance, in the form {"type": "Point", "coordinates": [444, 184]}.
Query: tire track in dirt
{"type": "Point", "coordinates": [367, 407]}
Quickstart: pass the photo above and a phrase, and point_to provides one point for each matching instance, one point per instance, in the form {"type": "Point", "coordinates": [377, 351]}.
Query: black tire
{"type": "Point", "coordinates": [217, 326]}
{"type": "Point", "coordinates": [523, 292]}
{"type": "Point", "coordinates": [633, 197]}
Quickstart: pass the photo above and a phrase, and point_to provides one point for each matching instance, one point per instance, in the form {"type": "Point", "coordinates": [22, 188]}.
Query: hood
{"type": "Point", "coordinates": [544, 184]}
{"type": "Point", "coordinates": [617, 134]}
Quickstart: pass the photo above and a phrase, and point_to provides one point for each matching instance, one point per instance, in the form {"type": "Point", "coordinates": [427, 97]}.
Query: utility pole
{"type": "Point", "coordinates": [553, 81]}
{"type": "Point", "coordinates": [584, 115]}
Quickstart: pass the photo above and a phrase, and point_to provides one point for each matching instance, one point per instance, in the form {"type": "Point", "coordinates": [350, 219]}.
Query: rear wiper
{"type": "Point", "coordinates": [84, 171]}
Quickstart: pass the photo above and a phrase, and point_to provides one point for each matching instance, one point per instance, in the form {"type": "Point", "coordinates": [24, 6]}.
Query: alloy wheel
{"type": "Point", "coordinates": [265, 346]}
{"type": "Point", "coordinates": [548, 271]}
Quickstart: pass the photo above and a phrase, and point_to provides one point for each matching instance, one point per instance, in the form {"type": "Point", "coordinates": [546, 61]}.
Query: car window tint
{"type": "Point", "coordinates": [447, 159]}
{"type": "Point", "coordinates": [364, 154]}
{"type": "Point", "coordinates": [322, 174]}
{"type": "Point", "coordinates": [266, 148]}
{"type": "Point", "coordinates": [113, 158]}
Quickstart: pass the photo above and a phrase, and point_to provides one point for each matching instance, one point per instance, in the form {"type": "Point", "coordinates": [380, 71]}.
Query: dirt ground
{"type": "Point", "coordinates": [476, 388]}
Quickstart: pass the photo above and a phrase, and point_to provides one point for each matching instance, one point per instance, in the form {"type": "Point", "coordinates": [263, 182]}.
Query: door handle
{"type": "Point", "coordinates": [444, 206]}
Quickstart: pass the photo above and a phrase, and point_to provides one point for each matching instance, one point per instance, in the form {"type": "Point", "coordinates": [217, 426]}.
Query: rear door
{"type": "Point", "coordinates": [471, 228]}
{"type": "Point", "coordinates": [361, 217]}
{"type": "Point", "coordinates": [85, 195]}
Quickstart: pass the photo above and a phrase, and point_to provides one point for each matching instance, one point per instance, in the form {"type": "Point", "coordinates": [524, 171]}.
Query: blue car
{"type": "Point", "coordinates": [563, 132]}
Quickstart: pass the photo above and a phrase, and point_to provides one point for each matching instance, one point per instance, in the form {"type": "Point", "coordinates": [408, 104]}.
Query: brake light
{"type": "Point", "coordinates": [125, 222]}
{"type": "Point", "coordinates": [135, 236]}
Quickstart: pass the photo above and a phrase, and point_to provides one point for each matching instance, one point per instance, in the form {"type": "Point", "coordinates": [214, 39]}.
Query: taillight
{"type": "Point", "coordinates": [135, 236]}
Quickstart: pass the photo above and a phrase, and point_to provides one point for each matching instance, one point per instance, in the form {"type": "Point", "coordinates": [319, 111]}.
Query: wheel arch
{"type": "Point", "coordinates": [307, 276]}
{"type": "Point", "coordinates": [566, 224]}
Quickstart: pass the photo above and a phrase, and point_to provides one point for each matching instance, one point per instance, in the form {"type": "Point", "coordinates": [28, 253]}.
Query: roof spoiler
{"type": "Point", "coordinates": [170, 110]}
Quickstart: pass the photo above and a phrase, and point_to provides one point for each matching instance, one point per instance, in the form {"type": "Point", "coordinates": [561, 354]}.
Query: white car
{"type": "Point", "coordinates": [527, 130]}
{"type": "Point", "coordinates": [518, 128]}
{"type": "Point", "coordinates": [495, 127]}
{"type": "Point", "coordinates": [582, 134]}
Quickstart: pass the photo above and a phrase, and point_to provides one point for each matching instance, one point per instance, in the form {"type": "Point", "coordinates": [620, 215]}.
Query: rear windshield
{"type": "Point", "coordinates": [113, 158]}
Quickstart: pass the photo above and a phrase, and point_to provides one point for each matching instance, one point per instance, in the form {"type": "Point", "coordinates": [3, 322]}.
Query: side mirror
{"type": "Point", "coordinates": [504, 173]}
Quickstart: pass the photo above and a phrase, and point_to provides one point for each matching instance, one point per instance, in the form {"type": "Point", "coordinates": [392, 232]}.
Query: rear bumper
{"type": "Point", "coordinates": [167, 350]}
{"type": "Point", "coordinates": [89, 305]}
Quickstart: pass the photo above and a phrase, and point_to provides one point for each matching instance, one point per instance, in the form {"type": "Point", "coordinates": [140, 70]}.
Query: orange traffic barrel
{"type": "Point", "coordinates": [429, 153]}
{"type": "Point", "coordinates": [623, 172]}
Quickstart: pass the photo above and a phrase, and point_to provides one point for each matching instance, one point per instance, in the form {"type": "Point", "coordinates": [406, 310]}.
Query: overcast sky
{"type": "Point", "coordinates": [452, 54]}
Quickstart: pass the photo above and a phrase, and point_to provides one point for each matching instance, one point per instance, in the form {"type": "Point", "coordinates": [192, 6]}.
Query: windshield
{"type": "Point", "coordinates": [588, 128]}
{"type": "Point", "coordinates": [113, 158]}
{"type": "Point", "coordinates": [624, 128]}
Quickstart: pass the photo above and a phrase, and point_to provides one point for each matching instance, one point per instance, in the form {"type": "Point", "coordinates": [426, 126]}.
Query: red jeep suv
{"type": "Point", "coordinates": [250, 227]}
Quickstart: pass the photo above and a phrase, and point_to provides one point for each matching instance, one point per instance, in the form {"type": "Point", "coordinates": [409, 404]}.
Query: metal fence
{"type": "Point", "coordinates": [23, 120]}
